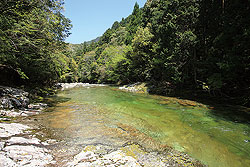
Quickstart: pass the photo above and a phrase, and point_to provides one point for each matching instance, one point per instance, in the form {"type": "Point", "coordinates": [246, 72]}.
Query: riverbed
{"type": "Point", "coordinates": [110, 119]}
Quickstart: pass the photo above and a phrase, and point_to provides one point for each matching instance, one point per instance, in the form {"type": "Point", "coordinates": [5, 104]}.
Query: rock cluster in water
{"type": "Point", "coordinates": [136, 87]}
{"type": "Point", "coordinates": [64, 86]}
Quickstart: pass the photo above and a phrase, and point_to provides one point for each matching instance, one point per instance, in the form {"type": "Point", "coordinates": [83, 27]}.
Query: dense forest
{"type": "Point", "coordinates": [172, 45]}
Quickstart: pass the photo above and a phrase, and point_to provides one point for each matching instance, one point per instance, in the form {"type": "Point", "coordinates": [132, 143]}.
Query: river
{"type": "Point", "coordinates": [108, 116]}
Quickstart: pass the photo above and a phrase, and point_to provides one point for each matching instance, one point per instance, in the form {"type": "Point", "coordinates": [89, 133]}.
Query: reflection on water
{"type": "Point", "coordinates": [103, 115]}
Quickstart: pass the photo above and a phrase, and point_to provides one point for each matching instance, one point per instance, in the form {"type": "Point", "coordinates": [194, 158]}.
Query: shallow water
{"type": "Point", "coordinates": [107, 116]}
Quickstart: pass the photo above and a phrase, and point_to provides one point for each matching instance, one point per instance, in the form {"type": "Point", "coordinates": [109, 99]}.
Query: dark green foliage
{"type": "Point", "coordinates": [31, 38]}
{"type": "Point", "coordinates": [224, 46]}
{"type": "Point", "coordinates": [133, 22]}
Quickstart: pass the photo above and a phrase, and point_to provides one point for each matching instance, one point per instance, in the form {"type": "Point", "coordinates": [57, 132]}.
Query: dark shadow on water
{"type": "Point", "coordinates": [221, 107]}
{"type": "Point", "coordinates": [54, 100]}
{"type": "Point", "coordinates": [236, 114]}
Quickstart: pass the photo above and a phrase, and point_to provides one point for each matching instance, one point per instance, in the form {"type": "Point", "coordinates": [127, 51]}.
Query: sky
{"type": "Point", "coordinates": [91, 18]}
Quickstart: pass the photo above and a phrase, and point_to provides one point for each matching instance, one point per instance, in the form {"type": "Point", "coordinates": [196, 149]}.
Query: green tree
{"type": "Point", "coordinates": [31, 34]}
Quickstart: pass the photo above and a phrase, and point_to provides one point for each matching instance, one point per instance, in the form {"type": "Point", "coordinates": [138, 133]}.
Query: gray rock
{"type": "Point", "coordinates": [5, 161]}
{"type": "Point", "coordinates": [13, 98]}
{"type": "Point", "coordinates": [16, 102]}
{"type": "Point", "coordinates": [37, 106]}
{"type": "Point", "coordinates": [18, 113]}
{"type": "Point", "coordinates": [4, 90]}
{"type": "Point", "coordinates": [6, 102]}
{"type": "Point", "coordinates": [21, 140]}
{"type": "Point", "coordinates": [4, 119]}
{"type": "Point", "coordinates": [7, 130]}
{"type": "Point", "coordinates": [116, 158]}
{"type": "Point", "coordinates": [2, 145]}
{"type": "Point", "coordinates": [28, 155]}
{"type": "Point", "coordinates": [10, 113]}
{"type": "Point", "coordinates": [64, 86]}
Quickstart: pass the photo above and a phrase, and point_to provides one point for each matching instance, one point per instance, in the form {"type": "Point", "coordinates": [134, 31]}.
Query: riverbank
{"type": "Point", "coordinates": [19, 146]}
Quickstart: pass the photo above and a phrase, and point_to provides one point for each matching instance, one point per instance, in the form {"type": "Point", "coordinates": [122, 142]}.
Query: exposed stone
{"type": "Point", "coordinates": [64, 86]}
{"type": "Point", "coordinates": [4, 119]}
{"type": "Point", "coordinates": [130, 156]}
{"type": "Point", "coordinates": [10, 113]}
{"type": "Point", "coordinates": [116, 158]}
{"type": "Point", "coordinates": [83, 156]}
{"type": "Point", "coordinates": [18, 113]}
{"type": "Point", "coordinates": [21, 140]}
{"type": "Point", "coordinates": [20, 151]}
{"type": "Point", "coordinates": [37, 106]}
{"type": "Point", "coordinates": [2, 145]}
{"type": "Point", "coordinates": [136, 87]}
{"type": "Point", "coordinates": [28, 155]}
{"type": "Point", "coordinates": [13, 98]}
{"type": "Point", "coordinates": [7, 130]}
{"type": "Point", "coordinates": [5, 161]}
{"type": "Point", "coordinates": [6, 102]}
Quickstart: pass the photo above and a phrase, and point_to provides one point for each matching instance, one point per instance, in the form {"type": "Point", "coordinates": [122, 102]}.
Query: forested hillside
{"type": "Point", "coordinates": [175, 45]}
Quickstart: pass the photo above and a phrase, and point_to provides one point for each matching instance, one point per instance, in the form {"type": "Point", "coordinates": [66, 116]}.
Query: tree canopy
{"type": "Point", "coordinates": [31, 38]}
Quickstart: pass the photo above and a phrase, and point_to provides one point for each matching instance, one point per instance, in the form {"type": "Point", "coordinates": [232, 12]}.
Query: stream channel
{"type": "Point", "coordinates": [110, 117]}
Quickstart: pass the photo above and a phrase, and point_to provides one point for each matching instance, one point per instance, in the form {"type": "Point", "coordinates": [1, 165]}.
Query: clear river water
{"type": "Point", "coordinates": [108, 116]}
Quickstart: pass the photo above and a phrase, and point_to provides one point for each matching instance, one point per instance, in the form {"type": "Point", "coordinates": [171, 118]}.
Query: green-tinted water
{"type": "Point", "coordinates": [107, 116]}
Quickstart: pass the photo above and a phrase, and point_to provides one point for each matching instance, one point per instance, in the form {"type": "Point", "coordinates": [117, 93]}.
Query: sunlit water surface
{"type": "Point", "coordinates": [107, 116]}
